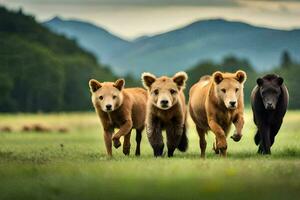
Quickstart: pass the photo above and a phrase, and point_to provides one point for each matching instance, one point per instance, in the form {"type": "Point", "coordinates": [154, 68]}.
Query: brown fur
{"type": "Point", "coordinates": [36, 128]}
{"type": "Point", "coordinates": [63, 130]}
{"type": "Point", "coordinates": [27, 128]}
{"type": "Point", "coordinates": [129, 110]}
{"type": "Point", "coordinates": [170, 116]}
{"type": "Point", "coordinates": [210, 107]}
{"type": "Point", "coordinates": [6, 129]}
{"type": "Point", "coordinates": [41, 128]}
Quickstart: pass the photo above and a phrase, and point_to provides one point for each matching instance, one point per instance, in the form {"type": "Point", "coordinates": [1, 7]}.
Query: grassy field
{"type": "Point", "coordinates": [74, 165]}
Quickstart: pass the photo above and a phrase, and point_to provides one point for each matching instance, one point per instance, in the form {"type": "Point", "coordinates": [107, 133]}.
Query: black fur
{"type": "Point", "coordinates": [183, 144]}
{"type": "Point", "coordinates": [269, 100]}
{"type": "Point", "coordinates": [176, 136]}
{"type": "Point", "coordinates": [138, 139]}
{"type": "Point", "coordinates": [154, 133]}
{"type": "Point", "coordinates": [257, 138]}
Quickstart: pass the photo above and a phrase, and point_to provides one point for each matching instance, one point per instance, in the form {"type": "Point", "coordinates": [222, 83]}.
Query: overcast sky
{"type": "Point", "coordinates": [133, 18]}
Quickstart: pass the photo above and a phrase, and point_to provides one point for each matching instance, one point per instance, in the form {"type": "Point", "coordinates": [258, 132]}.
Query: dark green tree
{"type": "Point", "coordinates": [286, 60]}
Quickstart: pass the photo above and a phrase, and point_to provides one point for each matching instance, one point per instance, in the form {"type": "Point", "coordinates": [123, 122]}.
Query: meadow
{"type": "Point", "coordinates": [74, 165]}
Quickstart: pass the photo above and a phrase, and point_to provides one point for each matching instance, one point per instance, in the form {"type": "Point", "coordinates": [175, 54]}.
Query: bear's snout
{"type": "Point", "coordinates": [270, 106]}
{"type": "Point", "coordinates": [108, 107]}
{"type": "Point", "coordinates": [232, 103]}
{"type": "Point", "coordinates": [164, 103]}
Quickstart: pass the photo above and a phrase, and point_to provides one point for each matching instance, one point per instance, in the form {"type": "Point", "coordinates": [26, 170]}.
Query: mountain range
{"type": "Point", "coordinates": [183, 48]}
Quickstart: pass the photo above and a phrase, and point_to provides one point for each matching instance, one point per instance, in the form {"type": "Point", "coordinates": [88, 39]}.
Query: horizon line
{"type": "Point", "coordinates": [129, 39]}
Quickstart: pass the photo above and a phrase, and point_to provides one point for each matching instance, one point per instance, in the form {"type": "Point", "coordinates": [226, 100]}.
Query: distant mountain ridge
{"type": "Point", "coordinates": [97, 40]}
{"type": "Point", "coordinates": [184, 47]}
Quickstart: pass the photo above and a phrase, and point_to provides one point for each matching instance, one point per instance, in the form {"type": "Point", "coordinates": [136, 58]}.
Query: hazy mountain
{"type": "Point", "coordinates": [183, 48]}
{"type": "Point", "coordinates": [95, 39]}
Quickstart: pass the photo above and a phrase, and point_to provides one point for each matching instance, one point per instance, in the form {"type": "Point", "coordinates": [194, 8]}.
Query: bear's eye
{"type": "Point", "coordinates": [237, 89]}
{"type": "Point", "coordinates": [156, 92]}
{"type": "Point", "coordinates": [101, 97]}
{"type": "Point", "coordinates": [172, 91]}
{"type": "Point", "coordinates": [223, 90]}
{"type": "Point", "coordinates": [114, 97]}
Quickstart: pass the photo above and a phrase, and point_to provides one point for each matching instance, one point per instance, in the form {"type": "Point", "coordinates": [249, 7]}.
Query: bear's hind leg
{"type": "Point", "coordinates": [257, 138]}
{"type": "Point", "coordinates": [202, 141]}
{"type": "Point", "coordinates": [274, 130]}
{"type": "Point", "coordinates": [138, 139]}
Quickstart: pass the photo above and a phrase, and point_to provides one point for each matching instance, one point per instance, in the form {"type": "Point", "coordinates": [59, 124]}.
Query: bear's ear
{"type": "Point", "coordinates": [218, 77]}
{"type": "Point", "coordinates": [279, 81]}
{"type": "Point", "coordinates": [94, 85]}
{"type": "Point", "coordinates": [260, 81]}
{"type": "Point", "coordinates": [148, 79]}
{"type": "Point", "coordinates": [180, 78]}
{"type": "Point", "coordinates": [241, 76]}
{"type": "Point", "coordinates": [119, 84]}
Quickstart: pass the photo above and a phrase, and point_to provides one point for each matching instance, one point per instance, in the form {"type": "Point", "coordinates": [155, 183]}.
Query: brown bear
{"type": "Point", "coordinates": [269, 101]}
{"type": "Point", "coordinates": [6, 129]}
{"type": "Point", "coordinates": [166, 110]}
{"type": "Point", "coordinates": [215, 102]}
{"type": "Point", "coordinates": [36, 128]}
{"type": "Point", "coordinates": [119, 108]}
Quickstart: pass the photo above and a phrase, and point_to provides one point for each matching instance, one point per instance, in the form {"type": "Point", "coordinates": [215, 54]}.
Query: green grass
{"type": "Point", "coordinates": [74, 165]}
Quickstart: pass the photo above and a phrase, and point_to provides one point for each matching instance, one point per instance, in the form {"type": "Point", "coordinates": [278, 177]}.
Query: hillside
{"type": "Point", "coordinates": [182, 48]}
{"type": "Point", "coordinates": [42, 71]}
{"type": "Point", "coordinates": [92, 38]}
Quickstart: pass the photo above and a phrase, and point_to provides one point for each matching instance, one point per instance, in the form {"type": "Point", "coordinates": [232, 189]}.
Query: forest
{"type": "Point", "coordinates": [42, 71]}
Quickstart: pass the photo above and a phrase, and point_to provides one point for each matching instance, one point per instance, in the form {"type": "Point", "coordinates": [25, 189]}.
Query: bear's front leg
{"type": "Point", "coordinates": [265, 139]}
{"type": "Point", "coordinates": [221, 143]}
{"type": "Point", "coordinates": [239, 124]}
{"type": "Point", "coordinates": [174, 132]}
{"type": "Point", "coordinates": [126, 144]}
{"type": "Point", "coordinates": [154, 134]}
{"type": "Point", "coordinates": [124, 130]}
{"type": "Point", "coordinates": [107, 139]}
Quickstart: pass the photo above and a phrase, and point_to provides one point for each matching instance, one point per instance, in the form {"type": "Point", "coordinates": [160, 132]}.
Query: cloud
{"type": "Point", "coordinates": [275, 0]}
{"type": "Point", "coordinates": [135, 2]}
{"type": "Point", "coordinates": [215, 3]}
{"type": "Point", "coordinates": [277, 6]}
{"type": "Point", "coordinates": [133, 18]}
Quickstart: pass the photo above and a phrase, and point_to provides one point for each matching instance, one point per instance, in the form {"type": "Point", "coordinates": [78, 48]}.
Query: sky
{"type": "Point", "coordinates": [133, 18]}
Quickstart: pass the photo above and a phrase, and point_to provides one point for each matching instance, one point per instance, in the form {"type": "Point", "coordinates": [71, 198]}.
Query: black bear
{"type": "Point", "coordinates": [269, 101]}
